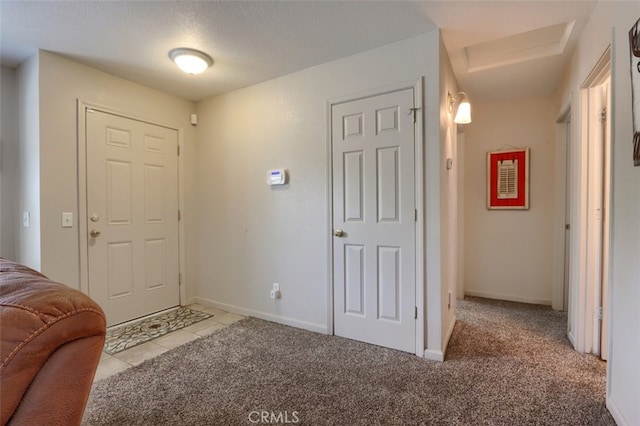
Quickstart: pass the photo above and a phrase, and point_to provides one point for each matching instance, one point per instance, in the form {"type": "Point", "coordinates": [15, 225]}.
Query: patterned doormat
{"type": "Point", "coordinates": [127, 336]}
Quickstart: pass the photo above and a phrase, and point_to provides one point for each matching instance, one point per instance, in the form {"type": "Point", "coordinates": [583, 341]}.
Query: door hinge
{"type": "Point", "coordinates": [414, 112]}
{"type": "Point", "coordinates": [603, 115]}
{"type": "Point", "coordinates": [415, 312]}
{"type": "Point", "coordinates": [179, 215]}
{"type": "Point", "coordinates": [415, 215]}
{"type": "Point", "coordinates": [567, 227]}
{"type": "Point", "coordinates": [599, 313]}
{"type": "Point", "coordinates": [178, 150]}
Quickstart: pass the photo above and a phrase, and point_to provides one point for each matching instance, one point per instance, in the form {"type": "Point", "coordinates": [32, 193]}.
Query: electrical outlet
{"type": "Point", "coordinates": [275, 292]}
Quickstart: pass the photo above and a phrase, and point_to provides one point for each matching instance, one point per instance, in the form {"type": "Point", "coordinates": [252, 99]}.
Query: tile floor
{"type": "Point", "coordinates": [112, 364]}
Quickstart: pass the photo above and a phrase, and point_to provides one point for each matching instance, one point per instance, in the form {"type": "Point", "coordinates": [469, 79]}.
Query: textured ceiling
{"type": "Point", "coordinates": [253, 41]}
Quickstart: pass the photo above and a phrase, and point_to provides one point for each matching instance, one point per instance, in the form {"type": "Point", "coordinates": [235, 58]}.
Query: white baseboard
{"type": "Point", "coordinates": [318, 328]}
{"type": "Point", "coordinates": [434, 355]}
{"type": "Point", "coordinates": [572, 339]}
{"type": "Point", "coordinates": [508, 297]}
{"type": "Point", "coordinates": [189, 301]}
{"type": "Point", "coordinates": [615, 413]}
{"type": "Point", "coordinates": [449, 333]}
{"type": "Point", "coordinates": [439, 355]}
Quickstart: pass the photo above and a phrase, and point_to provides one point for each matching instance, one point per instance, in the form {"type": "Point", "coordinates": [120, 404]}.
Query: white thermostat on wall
{"type": "Point", "coordinates": [277, 177]}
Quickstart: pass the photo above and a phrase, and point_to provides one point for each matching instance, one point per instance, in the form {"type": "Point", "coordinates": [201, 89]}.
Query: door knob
{"type": "Point", "coordinates": [94, 233]}
{"type": "Point", "coordinates": [338, 233]}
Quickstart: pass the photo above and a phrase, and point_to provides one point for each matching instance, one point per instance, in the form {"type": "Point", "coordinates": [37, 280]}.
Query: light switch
{"type": "Point", "coordinates": [67, 220]}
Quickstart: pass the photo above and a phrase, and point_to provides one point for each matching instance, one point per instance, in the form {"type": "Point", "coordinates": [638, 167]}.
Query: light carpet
{"type": "Point", "coordinates": [507, 364]}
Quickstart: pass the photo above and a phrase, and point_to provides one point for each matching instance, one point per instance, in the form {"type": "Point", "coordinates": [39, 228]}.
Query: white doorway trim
{"type": "Point", "coordinates": [562, 220]}
{"type": "Point", "coordinates": [417, 87]}
{"type": "Point", "coordinates": [82, 106]}
{"type": "Point", "coordinates": [585, 291]}
{"type": "Point", "coordinates": [460, 241]}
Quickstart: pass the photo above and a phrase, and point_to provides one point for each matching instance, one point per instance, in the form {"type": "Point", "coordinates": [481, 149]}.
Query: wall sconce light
{"type": "Point", "coordinates": [463, 115]}
{"type": "Point", "coordinates": [191, 61]}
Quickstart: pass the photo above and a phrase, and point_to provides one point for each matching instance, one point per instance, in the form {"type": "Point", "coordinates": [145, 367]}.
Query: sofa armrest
{"type": "Point", "coordinates": [51, 339]}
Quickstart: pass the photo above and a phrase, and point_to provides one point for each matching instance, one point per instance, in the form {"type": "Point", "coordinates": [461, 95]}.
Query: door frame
{"type": "Point", "coordinates": [564, 188]}
{"type": "Point", "coordinates": [81, 220]}
{"type": "Point", "coordinates": [416, 85]}
{"type": "Point", "coordinates": [583, 299]}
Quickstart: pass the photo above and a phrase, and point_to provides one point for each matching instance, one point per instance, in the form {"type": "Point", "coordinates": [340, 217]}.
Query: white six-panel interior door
{"type": "Point", "coordinates": [373, 155]}
{"type": "Point", "coordinates": [132, 209]}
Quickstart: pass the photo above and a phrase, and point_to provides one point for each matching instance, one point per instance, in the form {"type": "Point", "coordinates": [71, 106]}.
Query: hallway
{"type": "Point", "coordinates": [522, 364]}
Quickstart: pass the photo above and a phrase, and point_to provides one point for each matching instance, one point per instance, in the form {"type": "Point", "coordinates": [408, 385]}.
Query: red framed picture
{"type": "Point", "coordinates": [508, 179]}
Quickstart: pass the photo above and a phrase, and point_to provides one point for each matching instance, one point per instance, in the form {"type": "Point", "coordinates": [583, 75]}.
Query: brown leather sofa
{"type": "Point", "coordinates": [51, 340]}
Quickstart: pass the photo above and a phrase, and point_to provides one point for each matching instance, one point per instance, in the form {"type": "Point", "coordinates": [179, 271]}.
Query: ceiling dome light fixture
{"type": "Point", "coordinates": [191, 61]}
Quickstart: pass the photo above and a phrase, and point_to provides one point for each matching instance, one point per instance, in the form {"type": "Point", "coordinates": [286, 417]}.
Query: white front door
{"type": "Point", "coordinates": [132, 209]}
{"type": "Point", "coordinates": [374, 220]}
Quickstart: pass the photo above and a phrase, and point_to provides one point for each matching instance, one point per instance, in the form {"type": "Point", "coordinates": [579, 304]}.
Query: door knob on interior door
{"type": "Point", "coordinates": [338, 233]}
{"type": "Point", "coordinates": [94, 233]}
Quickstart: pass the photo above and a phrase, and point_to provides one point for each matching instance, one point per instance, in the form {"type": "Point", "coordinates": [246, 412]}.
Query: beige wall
{"type": "Point", "coordinates": [448, 200]}
{"type": "Point", "coordinates": [62, 83]}
{"type": "Point", "coordinates": [508, 254]}
{"type": "Point", "coordinates": [9, 155]}
{"type": "Point", "coordinates": [251, 235]}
